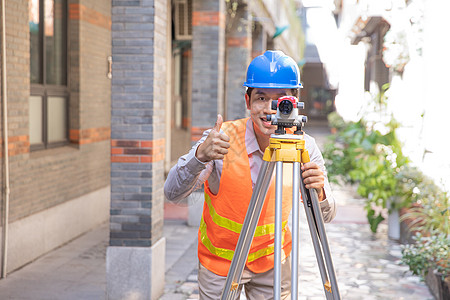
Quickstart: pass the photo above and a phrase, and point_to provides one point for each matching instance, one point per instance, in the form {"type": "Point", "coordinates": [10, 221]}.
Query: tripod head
{"type": "Point", "coordinates": [287, 115]}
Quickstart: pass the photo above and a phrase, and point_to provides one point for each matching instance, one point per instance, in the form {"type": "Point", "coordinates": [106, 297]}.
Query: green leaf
{"type": "Point", "coordinates": [374, 221]}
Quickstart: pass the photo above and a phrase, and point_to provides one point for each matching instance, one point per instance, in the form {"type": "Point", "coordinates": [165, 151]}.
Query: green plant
{"type": "Point", "coordinates": [360, 154]}
{"type": "Point", "coordinates": [432, 212]}
{"type": "Point", "coordinates": [409, 179]}
{"type": "Point", "coordinates": [376, 172]}
{"type": "Point", "coordinates": [428, 252]}
{"type": "Point", "coordinates": [342, 149]}
{"type": "Point", "coordinates": [335, 120]}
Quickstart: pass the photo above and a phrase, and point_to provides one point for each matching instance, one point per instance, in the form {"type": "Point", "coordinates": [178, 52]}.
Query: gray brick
{"type": "Point", "coordinates": [136, 227]}
{"type": "Point", "coordinates": [136, 212]}
{"type": "Point", "coordinates": [146, 204]}
{"type": "Point", "coordinates": [138, 197]}
{"type": "Point", "coordinates": [124, 204]}
{"type": "Point", "coordinates": [130, 166]}
{"type": "Point", "coordinates": [124, 234]}
{"type": "Point", "coordinates": [139, 39]}
{"type": "Point", "coordinates": [116, 242]}
{"type": "Point", "coordinates": [126, 2]}
{"type": "Point", "coordinates": [123, 189]}
{"type": "Point", "coordinates": [124, 219]}
{"type": "Point", "coordinates": [146, 189]}
{"type": "Point", "coordinates": [137, 242]}
{"type": "Point", "coordinates": [146, 136]}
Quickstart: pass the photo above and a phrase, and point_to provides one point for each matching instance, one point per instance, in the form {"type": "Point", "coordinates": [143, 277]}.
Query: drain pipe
{"type": "Point", "coordinates": [5, 144]}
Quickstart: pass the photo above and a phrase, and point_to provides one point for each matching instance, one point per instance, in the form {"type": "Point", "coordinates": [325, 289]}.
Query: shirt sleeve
{"type": "Point", "coordinates": [328, 205]}
{"type": "Point", "coordinates": [188, 175]}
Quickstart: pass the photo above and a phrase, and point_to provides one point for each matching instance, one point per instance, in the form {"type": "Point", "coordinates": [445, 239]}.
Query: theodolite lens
{"type": "Point", "coordinates": [285, 107]}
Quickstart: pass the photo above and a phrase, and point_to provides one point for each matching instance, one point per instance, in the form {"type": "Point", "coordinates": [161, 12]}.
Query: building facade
{"type": "Point", "coordinates": [57, 121]}
{"type": "Point", "coordinates": [101, 97]}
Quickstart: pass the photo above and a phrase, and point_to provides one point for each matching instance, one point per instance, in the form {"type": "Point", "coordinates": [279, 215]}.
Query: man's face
{"type": "Point", "coordinates": [259, 104]}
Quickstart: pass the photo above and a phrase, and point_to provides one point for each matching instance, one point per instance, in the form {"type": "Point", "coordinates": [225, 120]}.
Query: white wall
{"type": "Point", "coordinates": [418, 99]}
{"type": "Point", "coordinates": [436, 82]}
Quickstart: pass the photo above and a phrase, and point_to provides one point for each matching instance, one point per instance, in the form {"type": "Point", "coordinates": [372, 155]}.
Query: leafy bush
{"type": "Point", "coordinates": [428, 252]}
{"type": "Point", "coordinates": [430, 220]}
{"type": "Point", "coordinates": [360, 154]}
{"type": "Point", "coordinates": [432, 212]}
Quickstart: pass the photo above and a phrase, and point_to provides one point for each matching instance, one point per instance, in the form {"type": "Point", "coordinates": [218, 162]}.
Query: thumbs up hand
{"type": "Point", "coordinates": [216, 144]}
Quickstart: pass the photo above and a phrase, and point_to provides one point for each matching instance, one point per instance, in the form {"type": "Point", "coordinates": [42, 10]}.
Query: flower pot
{"type": "Point", "coordinates": [439, 286]}
{"type": "Point", "coordinates": [406, 233]}
{"type": "Point", "coordinates": [394, 225]}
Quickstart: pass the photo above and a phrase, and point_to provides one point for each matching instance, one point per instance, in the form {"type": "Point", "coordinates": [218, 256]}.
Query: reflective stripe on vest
{"type": "Point", "coordinates": [235, 226]}
{"type": "Point", "coordinates": [228, 254]}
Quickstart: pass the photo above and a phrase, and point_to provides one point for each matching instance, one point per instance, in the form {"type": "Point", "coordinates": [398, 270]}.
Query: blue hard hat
{"type": "Point", "coordinates": [273, 69]}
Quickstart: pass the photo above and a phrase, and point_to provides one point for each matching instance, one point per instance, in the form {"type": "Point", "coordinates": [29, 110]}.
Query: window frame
{"type": "Point", "coordinates": [45, 90]}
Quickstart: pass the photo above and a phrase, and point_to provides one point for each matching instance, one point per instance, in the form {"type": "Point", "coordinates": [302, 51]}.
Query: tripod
{"type": "Point", "coordinates": [283, 149]}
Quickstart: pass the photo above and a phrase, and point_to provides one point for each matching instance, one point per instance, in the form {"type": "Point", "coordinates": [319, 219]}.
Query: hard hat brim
{"type": "Point", "coordinates": [273, 85]}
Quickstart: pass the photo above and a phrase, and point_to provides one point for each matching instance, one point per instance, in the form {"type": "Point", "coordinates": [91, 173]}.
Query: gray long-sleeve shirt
{"type": "Point", "coordinates": [189, 173]}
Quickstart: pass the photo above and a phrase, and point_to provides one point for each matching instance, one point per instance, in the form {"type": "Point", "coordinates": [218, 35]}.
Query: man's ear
{"type": "Point", "coordinates": [247, 101]}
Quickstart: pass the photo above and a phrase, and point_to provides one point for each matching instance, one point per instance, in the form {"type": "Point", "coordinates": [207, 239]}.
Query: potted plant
{"type": "Point", "coordinates": [408, 180]}
{"type": "Point", "coordinates": [428, 255]}
{"type": "Point", "coordinates": [429, 209]}
{"type": "Point", "coordinates": [428, 258]}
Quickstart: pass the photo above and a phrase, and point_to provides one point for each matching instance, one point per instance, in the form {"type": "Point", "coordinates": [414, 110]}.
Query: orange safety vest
{"type": "Point", "coordinates": [224, 213]}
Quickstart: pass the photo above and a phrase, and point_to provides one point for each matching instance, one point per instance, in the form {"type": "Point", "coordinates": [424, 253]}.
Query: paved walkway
{"type": "Point", "coordinates": [77, 270]}
{"type": "Point", "coordinates": [367, 266]}
{"type": "Point", "coordinates": [74, 271]}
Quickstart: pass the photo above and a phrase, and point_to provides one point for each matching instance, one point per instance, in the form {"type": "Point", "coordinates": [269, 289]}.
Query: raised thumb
{"type": "Point", "coordinates": [218, 123]}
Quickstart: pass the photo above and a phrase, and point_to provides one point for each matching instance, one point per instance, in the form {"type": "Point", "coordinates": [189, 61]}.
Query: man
{"type": "Point", "coordinates": [227, 160]}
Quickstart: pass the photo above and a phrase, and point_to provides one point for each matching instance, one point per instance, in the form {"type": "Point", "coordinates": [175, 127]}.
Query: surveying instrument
{"type": "Point", "coordinates": [284, 148]}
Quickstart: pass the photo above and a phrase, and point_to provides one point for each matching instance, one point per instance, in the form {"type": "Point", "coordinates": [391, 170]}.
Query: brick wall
{"type": "Point", "coordinates": [208, 48]}
{"type": "Point", "coordinates": [95, 47]}
{"type": "Point", "coordinates": [17, 52]}
{"type": "Point", "coordinates": [239, 45]}
{"type": "Point", "coordinates": [138, 123]}
{"type": "Point", "coordinates": [43, 179]}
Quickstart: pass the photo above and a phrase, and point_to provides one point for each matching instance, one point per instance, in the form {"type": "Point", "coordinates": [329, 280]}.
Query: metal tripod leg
{"type": "Point", "coordinates": [248, 230]}
{"type": "Point", "coordinates": [295, 230]}
{"type": "Point", "coordinates": [319, 238]}
{"type": "Point", "coordinates": [278, 229]}
{"type": "Point", "coordinates": [278, 221]}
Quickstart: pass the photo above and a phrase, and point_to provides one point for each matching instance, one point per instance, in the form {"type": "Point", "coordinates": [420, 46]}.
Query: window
{"type": "Point", "coordinates": [48, 102]}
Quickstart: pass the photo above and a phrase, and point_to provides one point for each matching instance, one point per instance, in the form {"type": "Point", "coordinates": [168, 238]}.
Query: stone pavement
{"type": "Point", "coordinates": [367, 265]}
{"type": "Point", "coordinates": [77, 270]}
{"type": "Point", "coordinates": [74, 271]}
